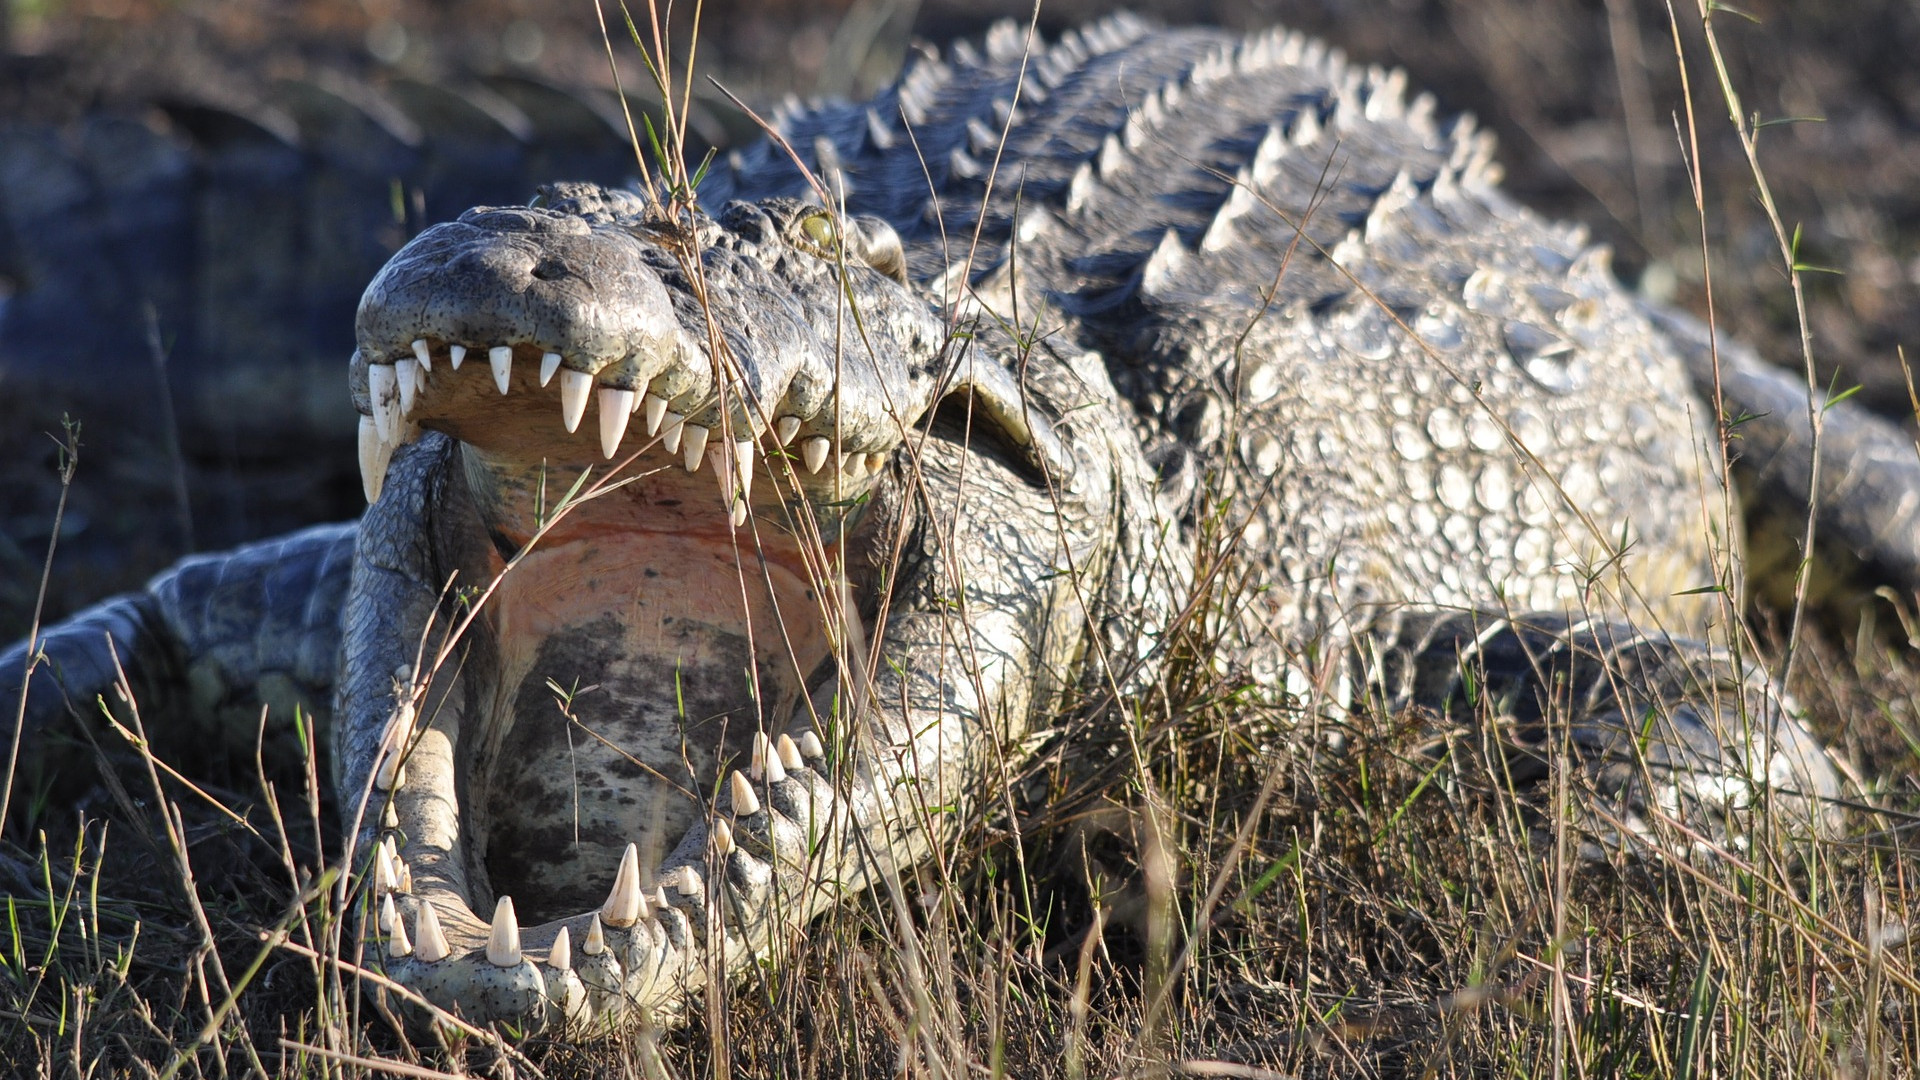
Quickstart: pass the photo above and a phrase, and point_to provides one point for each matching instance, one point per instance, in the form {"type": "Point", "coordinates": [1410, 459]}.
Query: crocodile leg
{"type": "Point", "coordinates": [206, 644]}
{"type": "Point", "coordinates": [1661, 727]}
{"type": "Point", "coordinates": [1867, 502]}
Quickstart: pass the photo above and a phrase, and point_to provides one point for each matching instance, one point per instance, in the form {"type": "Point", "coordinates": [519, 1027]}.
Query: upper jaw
{"type": "Point", "coordinates": [521, 275]}
{"type": "Point", "coordinates": [598, 311]}
{"type": "Point", "coordinates": [532, 293]}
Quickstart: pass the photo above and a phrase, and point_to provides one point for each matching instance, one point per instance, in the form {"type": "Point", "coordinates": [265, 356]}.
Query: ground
{"type": "Point", "coordinates": [1199, 886]}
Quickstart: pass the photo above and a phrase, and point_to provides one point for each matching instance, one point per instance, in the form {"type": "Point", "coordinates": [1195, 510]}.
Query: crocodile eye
{"type": "Point", "coordinates": [819, 229]}
{"type": "Point", "coordinates": [867, 240]}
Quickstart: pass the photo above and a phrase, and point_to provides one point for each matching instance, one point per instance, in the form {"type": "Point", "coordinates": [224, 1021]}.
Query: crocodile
{"type": "Point", "coordinates": [904, 438]}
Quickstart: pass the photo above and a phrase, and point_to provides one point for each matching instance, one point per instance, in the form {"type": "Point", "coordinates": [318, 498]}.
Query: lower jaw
{"type": "Point", "coordinates": [603, 567]}
{"type": "Point", "coordinates": [640, 954]}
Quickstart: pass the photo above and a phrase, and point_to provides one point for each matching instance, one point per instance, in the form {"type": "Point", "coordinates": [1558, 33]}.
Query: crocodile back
{"type": "Point", "coordinates": [1402, 387]}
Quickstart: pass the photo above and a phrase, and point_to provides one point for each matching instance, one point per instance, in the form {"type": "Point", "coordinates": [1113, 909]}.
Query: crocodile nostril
{"type": "Point", "coordinates": [549, 270]}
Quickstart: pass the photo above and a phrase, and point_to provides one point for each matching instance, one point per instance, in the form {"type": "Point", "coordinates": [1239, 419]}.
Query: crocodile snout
{"type": "Point", "coordinates": [519, 277]}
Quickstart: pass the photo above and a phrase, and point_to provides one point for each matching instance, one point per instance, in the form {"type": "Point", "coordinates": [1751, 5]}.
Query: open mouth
{"type": "Point", "coordinates": [551, 805]}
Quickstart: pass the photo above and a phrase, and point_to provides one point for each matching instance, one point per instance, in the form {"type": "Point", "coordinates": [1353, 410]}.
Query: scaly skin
{"type": "Point", "coordinates": [885, 486]}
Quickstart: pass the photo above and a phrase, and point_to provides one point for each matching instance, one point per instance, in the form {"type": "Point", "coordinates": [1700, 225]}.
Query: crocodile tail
{"type": "Point", "coordinates": [1865, 495]}
{"type": "Point", "coordinates": [67, 671]}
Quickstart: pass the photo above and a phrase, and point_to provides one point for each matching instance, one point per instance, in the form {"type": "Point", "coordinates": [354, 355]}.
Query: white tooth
{"type": "Point", "coordinates": [575, 386]}
{"type": "Point", "coordinates": [503, 945]}
{"type": "Point", "coordinates": [390, 413]}
{"type": "Point", "coordinates": [693, 445]}
{"type": "Point", "coordinates": [455, 354]}
{"type": "Point", "coordinates": [762, 750]}
{"type": "Point", "coordinates": [623, 902]}
{"type": "Point", "coordinates": [405, 887]}
{"type": "Point", "coordinates": [384, 877]}
{"type": "Point", "coordinates": [374, 454]}
{"type": "Point", "coordinates": [673, 426]}
{"type": "Point", "coordinates": [616, 408]}
{"type": "Point", "coordinates": [852, 466]}
{"type": "Point", "coordinates": [810, 745]}
{"type": "Point", "coordinates": [500, 359]}
{"type": "Point", "coordinates": [407, 374]}
{"type": "Point", "coordinates": [560, 954]}
{"type": "Point", "coordinates": [776, 769]}
{"type": "Point", "coordinates": [876, 462]}
{"type": "Point", "coordinates": [813, 453]}
{"type": "Point", "coordinates": [389, 818]}
{"type": "Point", "coordinates": [397, 943]}
{"type": "Point", "coordinates": [660, 899]}
{"type": "Point", "coordinates": [789, 753]}
{"type": "Point", "coordinates": [743, 466]}
{"type": "Point", "coordinates": [721, 834]}
{"type": "Point", "coordinates": [381, 390]}
{"type": "Point", "coordinates": [596, 940]}
{"type": "Point", "coordinates": [786, 428]}
{"type": "Point", "coordinates": [549, 363]}
{"type": "Point", "coordinates": [433, 944]}
{"type": "Point", "coordinates": [423, 354]}
{"type": "Point", "coordinates": [688, 882]}
{"type": "Point", "coordinates": [738, 515]}
{"type": "Point", "coordinates": [745, 802]}
{"type": "Point", "coordinates": [388, 919]}
{"type": "Point", "coordinates": [656, 411]}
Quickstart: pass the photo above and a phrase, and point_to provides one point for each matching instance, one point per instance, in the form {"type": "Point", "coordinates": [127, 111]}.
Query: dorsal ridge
{"type": "Point", "coordinates": [1166, 261]}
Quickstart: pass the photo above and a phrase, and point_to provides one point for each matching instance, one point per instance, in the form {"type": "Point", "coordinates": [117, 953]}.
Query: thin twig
{"type": "Point", "coordinates": [69, 462]}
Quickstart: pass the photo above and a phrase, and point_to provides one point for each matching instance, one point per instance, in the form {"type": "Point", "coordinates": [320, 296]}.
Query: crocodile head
{"type": "Point", "coordinates": [731, 390]}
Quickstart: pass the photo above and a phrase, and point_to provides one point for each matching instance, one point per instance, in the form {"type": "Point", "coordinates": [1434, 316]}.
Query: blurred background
{"type": "Point", "coordinates": [193, 193]}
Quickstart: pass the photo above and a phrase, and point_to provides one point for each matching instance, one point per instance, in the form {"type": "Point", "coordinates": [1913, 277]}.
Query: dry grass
{"type": "Point", "coordinates": [1382, 913]}
{"type": "Point", "coordinates": [1202, 883]}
